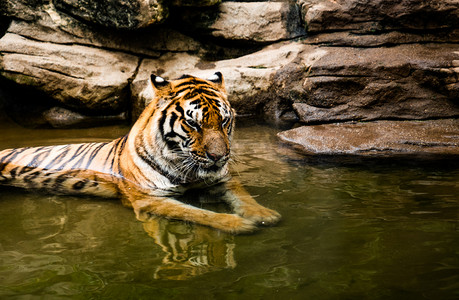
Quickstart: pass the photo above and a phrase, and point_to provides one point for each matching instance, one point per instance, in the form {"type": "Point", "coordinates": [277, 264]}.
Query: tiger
{"type": "Point", "coordinates": [180, 142]}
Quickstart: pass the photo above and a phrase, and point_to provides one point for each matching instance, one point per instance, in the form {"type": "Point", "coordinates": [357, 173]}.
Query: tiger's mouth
{"type": "Point", "coordinates": [208, 164]}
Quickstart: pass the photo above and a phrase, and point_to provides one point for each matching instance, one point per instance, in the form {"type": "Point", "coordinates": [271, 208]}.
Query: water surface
{"type": "Point", "coordinates": [351, 229]}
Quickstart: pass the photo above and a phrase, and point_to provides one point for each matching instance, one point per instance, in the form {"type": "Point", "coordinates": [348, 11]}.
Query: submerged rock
{"type": "Point", "coordinates": [59, 117]}
{"type": "Point", "coordinates": [377, 138]}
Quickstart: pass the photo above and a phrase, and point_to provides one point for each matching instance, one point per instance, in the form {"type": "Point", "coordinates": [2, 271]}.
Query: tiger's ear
{"type": "Point", "coordinates": [217, 78]}
{"type": "Point", "coordinates": [158, 82]}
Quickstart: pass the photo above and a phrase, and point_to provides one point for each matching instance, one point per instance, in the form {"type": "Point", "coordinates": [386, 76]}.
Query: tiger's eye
{"type": "Point", "coordinates": [192, 123]}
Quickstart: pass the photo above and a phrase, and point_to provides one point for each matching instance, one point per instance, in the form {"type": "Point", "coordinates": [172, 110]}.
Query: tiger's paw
{"type": "Point", "coordinates": [234, 224]}
{"type": "Point", "coordinates": [260, 215]}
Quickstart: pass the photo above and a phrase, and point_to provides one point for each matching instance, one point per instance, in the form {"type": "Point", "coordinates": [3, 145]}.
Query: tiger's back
{"type": "Point", "coordinates": [87, 168]}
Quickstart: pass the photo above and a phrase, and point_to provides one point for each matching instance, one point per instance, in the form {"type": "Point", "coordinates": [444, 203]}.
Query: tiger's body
{"type": "Point", "coordinates": [181, 141]}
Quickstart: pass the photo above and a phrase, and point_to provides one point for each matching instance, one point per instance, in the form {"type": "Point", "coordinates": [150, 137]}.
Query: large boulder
{"type": "Point", "coordinates": [347, 83]}
{"type": "Point", "coordinates": [81, 77]}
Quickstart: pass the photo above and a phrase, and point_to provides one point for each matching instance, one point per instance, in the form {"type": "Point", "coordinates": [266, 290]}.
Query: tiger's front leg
{"type": "Point", "coordinates": [148, 206]}
{"type": "Point", "coordinates": [245, 206]}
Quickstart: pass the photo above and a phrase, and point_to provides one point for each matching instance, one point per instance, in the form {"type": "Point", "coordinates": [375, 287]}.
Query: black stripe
{"type": "Point", "coordinates": [94, 154]}
{"type": "Point", "coordinates": [162, 120]}
{"type": "Point", "coordinates": [30, 177]}
{"type": "Point", "coordinates": [186, 84]}
{"type": "Point", "coordinates": [112, 153]}
{"type": "Point", "coordinates": [179, 109]}
{"type": "Point", "coordinates": [58, 158]}
{"type": "Point", "coordinates": [60, 180]}
{"type": "Point", "coordinates": [82, 155]}
{"type": "Point", "coordinates": [80, 184]}
{"type": "Point", "coordinates": [37, 159]}
{"type": "Point", "coordinates": [110, 157]}
{"type": "Point", "coordinates": [25, 169]}
{"type": "Point", "coordinates": [150, 160]}
{"type": "Point", "coordinates": [13, 172]}
{"type": "Point", "coordinates": [10, 157]}
{"type": "Point", "coordinates": [121, 146]}
{"type": "Point", "coordinates": [80, 150]}
{"type": "Point", "coordinates": [172, 120]}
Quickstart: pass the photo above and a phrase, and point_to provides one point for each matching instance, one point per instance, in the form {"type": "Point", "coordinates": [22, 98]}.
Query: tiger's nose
{"type": "Point", "coordinates": [214, 156]}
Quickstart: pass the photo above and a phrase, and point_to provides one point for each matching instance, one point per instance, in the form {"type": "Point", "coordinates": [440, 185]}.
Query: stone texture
{"type": "Point", "coordinates": [378, 15]}
{"type": "Point", "coordinates": [383, 39]}
{"type": "Point", "coordinates": [55, 28]}
{"type": "Point", "coordinates": [248, 21]}
{"type": "Point", "coordinates": [346, 83]}
{"type": "Point", "coordinates": [80, 77]}
{"type": "Point", "coordinates": [21, 9]}
{"type": "Point", "coordinates": [377, 138]}
{"type": "Point", "coordinates": [118, 14]}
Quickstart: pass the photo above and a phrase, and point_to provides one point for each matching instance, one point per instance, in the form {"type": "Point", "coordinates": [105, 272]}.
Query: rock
{"type": "Point", "coordinates": [120, 14]}
{"type": "Point", "coordinates": [378, 15]}
{"type": "Point", "coordinates": [346, 83]}
{"type": "Point", "coordinates": [247, 78]}
{"type": "Point", "coordinates": [248, 21]}
{"type": "Point", "coordinates": [195, 3]}
{"type": "Point", "coordinates": [58, 29]}
{"type": "Point", "coordinates": [377, 138]}
{"type": "Point", "coordinates": [23, 105]}
{"type": "Point", "coordinates": [59, 117]}
{"type": "Point", "coordinates": [327, 84]}
{"type": "Point", "coordinates": [80, 77]}
{"type": "Point", "coordinates": [21, 9]}
{"type": "Point", "coordinates": [363, 60]}
{"type": "Point", "coordinates": [389, 39]}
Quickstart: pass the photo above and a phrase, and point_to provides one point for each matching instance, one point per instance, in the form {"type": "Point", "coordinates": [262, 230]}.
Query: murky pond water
{"type": "Point", "coordinates": [351, 229]}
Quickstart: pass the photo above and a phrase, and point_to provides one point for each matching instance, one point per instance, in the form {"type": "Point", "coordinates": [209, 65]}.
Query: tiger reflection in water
{"type": "Point", "coordinates": [191, 249]}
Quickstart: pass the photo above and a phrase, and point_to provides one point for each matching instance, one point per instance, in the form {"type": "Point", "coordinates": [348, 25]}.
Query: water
{"type": "Point", "coordinates": [351, 229]}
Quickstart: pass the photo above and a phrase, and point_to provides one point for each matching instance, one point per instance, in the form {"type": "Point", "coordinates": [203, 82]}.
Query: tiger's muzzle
{"type": "Point", "coordinates": [216, 147]}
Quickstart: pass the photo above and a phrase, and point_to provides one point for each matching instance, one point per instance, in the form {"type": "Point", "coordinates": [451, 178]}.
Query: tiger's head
{"type": "Point", "coordinates": [190, 128]}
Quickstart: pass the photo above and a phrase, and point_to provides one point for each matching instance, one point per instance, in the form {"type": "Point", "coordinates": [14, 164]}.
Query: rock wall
{"type": "Point", "coordinates": [312, 61]}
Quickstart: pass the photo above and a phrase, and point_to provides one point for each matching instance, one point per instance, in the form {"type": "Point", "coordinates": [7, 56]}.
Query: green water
{"type": "Point", "coordinates": [351, 229]}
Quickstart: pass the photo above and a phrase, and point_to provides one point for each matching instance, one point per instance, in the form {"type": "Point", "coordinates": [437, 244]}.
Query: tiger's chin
{"type": "Point", "coordinates": [211, 172]}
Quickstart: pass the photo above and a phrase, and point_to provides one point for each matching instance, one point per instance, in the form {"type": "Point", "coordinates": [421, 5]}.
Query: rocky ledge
{"type": "Point", "coordinates": [380, 138]}
{"type": "Point", "coordinates": [309, 62]}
